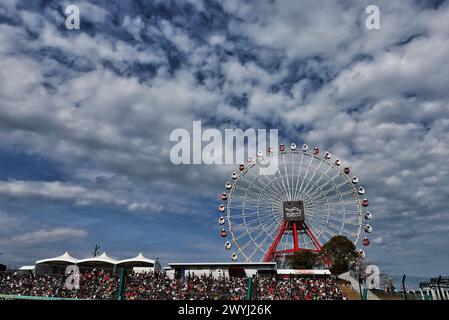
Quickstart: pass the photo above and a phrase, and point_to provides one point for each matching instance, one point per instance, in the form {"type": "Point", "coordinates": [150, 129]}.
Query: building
{"type": "Point", "coordinates": [220, 269]}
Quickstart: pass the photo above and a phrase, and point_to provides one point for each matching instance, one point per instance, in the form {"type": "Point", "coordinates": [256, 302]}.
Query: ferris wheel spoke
{"type": "Point", "coordinates": [286, 175]}
{"type": "Point", "coordinates": [330, 180]}
{"type": "Point", "coordinates": [306, 173]}
{"type": "Point", "coordinates": [339, 186]}
{"type": "Point", "coordinates": [258, 179]}
{"type": "Point", "coordinates": [260, 233]}
{"type": "Point", "coordinates": [329, 167]}
{"type": "Point", "coordinates": [322, 233]}
{"type": "Point", "coordinates": [298, 177]}
{"type": "Point", "coordinates": [324, 188]}
{"type": "Point", "coordinates": [315, 169]}
{"type": "Point", "coordinates": [282, 190]}
{"type": "Point", "coordinates": [264, 180]}
{"type": "Point", "coordinates": [309, 188]}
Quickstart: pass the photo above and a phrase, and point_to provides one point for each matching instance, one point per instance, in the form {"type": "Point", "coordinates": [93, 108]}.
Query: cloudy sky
{"type": "Point", "coordinates": [85, 119]}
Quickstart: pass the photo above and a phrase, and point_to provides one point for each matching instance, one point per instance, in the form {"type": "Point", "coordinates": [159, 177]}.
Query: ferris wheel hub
{"type": "Point", "coordinates": [293, 210]}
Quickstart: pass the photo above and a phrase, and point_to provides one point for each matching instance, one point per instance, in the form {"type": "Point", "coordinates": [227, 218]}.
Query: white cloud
{"type": "Point", "coordinates": [49, 235]}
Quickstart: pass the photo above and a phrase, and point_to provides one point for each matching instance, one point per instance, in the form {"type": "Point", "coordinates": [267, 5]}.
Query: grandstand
{"type": "Point", "coordinates": [140, 278]}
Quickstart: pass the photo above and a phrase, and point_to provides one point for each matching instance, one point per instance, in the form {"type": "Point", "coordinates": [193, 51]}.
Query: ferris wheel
{"type": "Point", "coordinates": [304, 202]}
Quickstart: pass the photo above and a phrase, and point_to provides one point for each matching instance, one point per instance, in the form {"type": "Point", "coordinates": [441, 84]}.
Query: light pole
{"type": "Point", "coordinates": [403, 287]}
{"type": "Point", "coordinates": [96, 250]}
{"type": "Point", "coordinates": [439, 288]}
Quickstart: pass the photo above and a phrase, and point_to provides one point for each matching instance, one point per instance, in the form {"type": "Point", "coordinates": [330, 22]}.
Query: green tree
{"type": "Point", "coordinates": [339, 252]}
{"type": "Point", "coordinates": [303, 260]}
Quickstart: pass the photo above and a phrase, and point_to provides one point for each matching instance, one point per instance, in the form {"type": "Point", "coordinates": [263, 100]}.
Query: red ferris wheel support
{"type": "Point", "coordinates": [297, 228]}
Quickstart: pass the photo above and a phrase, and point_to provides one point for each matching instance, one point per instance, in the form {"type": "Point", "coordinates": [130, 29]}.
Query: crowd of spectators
{"type": "Point", "coordinates": [100, 284]}
{"type": "Point", "coordinates": [93, 284]}
{"type": "Point", "coordinates": [151, 286]}
{"type": "Point", "coordinates": [298, 288]}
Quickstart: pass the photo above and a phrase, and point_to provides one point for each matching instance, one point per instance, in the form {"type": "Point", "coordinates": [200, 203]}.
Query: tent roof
{"type": "Point", "coordinates": [139, 260]}
{"type": "Point", "coordinates": [65, 258]}
{"type": "Point", "coordinates": [103, 258]}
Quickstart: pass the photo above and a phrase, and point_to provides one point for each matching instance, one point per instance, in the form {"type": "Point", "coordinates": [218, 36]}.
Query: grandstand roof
{"type": "Point", "coordinates": [26, 268]}
{"type": "Point", "coordinates": [66, 258]}
{"type": "Point", "coordinates": [303, 271]}
{"type": "Point", "coordinates": [223, 264]}
{"type": "Point", "coordinates": [137, 261]}
{"type": "Point", "coordinates": [98, 260]}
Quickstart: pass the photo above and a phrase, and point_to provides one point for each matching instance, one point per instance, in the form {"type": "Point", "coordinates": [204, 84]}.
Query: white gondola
{"type": "Point", "coordinates": [362, 253]}
{"type": "Point", "coordinates": [305, 147]}
{"type": "Point", "coordinates": [221, 220]}
{"type": "Point", "coordinates": [228, 185]}
{"type": "Point", "coordinates": [293, 146]}
{"type": "Point", "coordinates": [361, 191]}
{"type": "Point", "coordinates": [355, 180]}
{"type": "Point", "coordinates": [234, 257]}
{"type": "Point", "coordinates": [327, 155]}
{"type": "Point", "coordinates": [337, 162]}
{"type": "Point", "coordinates": [221, 208]}
{"type": "Point", "coordinates": [368, 216]}
{"type": "Point", "coordinates": [368, 229]}
{"type": "Point", "coordinates": [316, 150]}
{"type": "Point", "coordinates": [228, 245]}
{"type": "Point", "coordinates": [234, 175]}
{"type": "Point", "coordinates": [260, 154]}
{"type": "Point", "coordinates": [250, 159]}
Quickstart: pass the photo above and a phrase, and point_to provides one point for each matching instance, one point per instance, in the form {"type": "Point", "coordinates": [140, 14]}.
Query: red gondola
{"type": "Point", "coordinates": [366, 241]}
{"type": "Point", "coordinates": [223, 233]}
{"type": "Point", "coordinates": [281, 147]}
{"type": "Point", "coordinates": [365, 203]}
{"type": "Point", "coordinates": [242, 167]}
{"type": "Point", "coordinates": [224, 196]}
{"type": "Point", "coordinates": [346, 170]}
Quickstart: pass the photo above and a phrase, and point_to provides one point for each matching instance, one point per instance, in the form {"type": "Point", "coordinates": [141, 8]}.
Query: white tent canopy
{"type": "Point", "coordinates": [66, 258]}
{"type": "Point", "coordinates": [101, 259]}
{"type": "Point", "coordinates": [138, 261]}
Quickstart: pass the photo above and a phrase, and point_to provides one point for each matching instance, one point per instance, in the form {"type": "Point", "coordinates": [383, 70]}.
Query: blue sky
{"type": "Point", "coordinates": [85, 119]}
